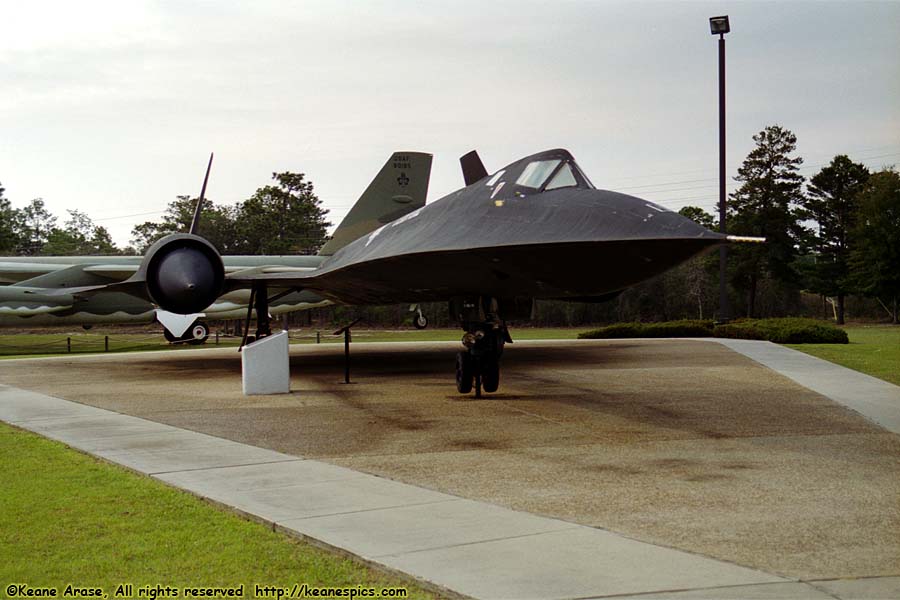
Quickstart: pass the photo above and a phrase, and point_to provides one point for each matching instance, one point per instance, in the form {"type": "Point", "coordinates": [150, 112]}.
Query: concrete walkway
{"type": "Point", "coordinates": [875, 399]}
{"type": "Point", "coordinates": [471, 548]}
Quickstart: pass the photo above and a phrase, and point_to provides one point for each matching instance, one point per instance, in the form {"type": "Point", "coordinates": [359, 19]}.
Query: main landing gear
{"type": "Point", "coordinates": [197, 334]}
{"type": "Point", "coordinates": [478, 365]}
{"type": "Point", "coordinates": [259, 301]}
{"type": "Point", "coordinates": [420, 321]}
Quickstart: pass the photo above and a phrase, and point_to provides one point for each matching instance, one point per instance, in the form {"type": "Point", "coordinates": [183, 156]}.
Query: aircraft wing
{"type": "Point", "coordinates": [527, 270]}
{"type": "Point", "coordinates": [13, 272]}
{"type": "Point", "coordinates": [27, 302]}
{"type": "Point", "coordinates": [38, 271]}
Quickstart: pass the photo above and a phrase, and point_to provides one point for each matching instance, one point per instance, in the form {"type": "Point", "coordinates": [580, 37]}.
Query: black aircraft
{"type": "Point", "coordinates": [538, 228]}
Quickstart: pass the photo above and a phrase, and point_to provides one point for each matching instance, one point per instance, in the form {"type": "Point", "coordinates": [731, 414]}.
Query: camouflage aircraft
{"type": "Point", "coordinates": [39, 290]}
{"type": "Point", "coordinates": [537, 228]}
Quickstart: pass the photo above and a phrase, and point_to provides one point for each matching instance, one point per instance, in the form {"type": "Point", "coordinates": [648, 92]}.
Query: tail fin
{"type": "Point", "coordinates": [398, 189]}
{"type": "Point", "coordinates": [472, 167]}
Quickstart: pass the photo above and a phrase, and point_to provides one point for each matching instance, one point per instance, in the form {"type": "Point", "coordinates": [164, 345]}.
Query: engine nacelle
{"type": "Point", "coordinates": [183, 273]}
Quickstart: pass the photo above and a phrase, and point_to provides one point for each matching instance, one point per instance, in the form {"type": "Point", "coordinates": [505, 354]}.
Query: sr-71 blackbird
{"type": "Point", "coordinates": [536, 228]}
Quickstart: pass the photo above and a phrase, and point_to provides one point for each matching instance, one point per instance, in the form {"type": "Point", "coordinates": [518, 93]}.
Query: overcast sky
{"type": "Point", "coordinates": [112, 107]}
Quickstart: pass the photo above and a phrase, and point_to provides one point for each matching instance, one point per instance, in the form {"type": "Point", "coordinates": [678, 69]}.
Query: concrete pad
{"type": "Point", "coordinates": [875, 588]}
{"type": "Point", "coordinates": [873, 398]}
{"type": "Point", "coordinates": [167, 439]}
{"type": "Point", "coordinates": [805, 504]}
{"type": "Point", "coordinates": [217, 482]}
{"type": "Point", "coordinates": [569, 564]}
{"type": "Point", "coordinates": [202, 455]}
{"type": "Point", "coordinates": [99, 426]}
{"type": "Point", "coordinates": [21, 405]}
{"type": "Point", "coordinates": [375, 533]}
{"type": "Point", "coordinates": [326, 498]}
{"type": "Point", "coordinates": [765, 591]}
{"type": "Point", "coordinates": [136, 443]}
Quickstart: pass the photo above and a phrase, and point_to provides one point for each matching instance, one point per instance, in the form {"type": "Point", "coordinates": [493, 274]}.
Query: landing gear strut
{"type": "Point", "coordinates": [259, 301]}
{"type": "Point", "coordinates": [420, 321]}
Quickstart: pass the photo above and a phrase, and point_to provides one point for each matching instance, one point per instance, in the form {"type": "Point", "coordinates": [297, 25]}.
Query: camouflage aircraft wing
{"type": "Point", "coordinates": [60, 271]}
{"type": "Point", "coordinates": [14, 272]}
{"type": "Point", "coordinates": [28, 302]}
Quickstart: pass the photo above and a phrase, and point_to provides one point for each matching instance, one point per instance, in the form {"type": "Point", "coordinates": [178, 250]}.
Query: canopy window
{"type": "Point", "coordinates": [536, 173]}
{"type": "Point", "coordinates": [563, 178]}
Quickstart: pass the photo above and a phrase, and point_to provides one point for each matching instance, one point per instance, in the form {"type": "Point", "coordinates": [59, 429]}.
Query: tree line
{"type": "Point", "coordinates": [830, 240]}
{"type": "Point", "coordinates": [32, 231]}
{"type": "Point", "coordinates": [838, 237]}
{"type": "Point", "coordinates": [283, 218]}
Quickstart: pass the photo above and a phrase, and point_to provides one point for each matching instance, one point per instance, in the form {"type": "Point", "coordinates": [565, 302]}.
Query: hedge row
{"type": "Point", "coordinates": [650, 330]}
{"type": "Point", "coordinates": [781, 331]}
{"type": "Point", "coordinates": [784, 331]}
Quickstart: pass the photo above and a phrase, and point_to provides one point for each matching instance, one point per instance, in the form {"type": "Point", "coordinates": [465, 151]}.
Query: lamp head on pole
{"type": "Point", "coordinates": [719, 25]}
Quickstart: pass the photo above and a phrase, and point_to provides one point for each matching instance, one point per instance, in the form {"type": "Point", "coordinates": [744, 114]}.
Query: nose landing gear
{"type": "Point", "coordinates": [478, 365]}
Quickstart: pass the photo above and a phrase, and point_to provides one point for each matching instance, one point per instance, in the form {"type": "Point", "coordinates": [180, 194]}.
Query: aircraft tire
{"type": "Point", "coordinates": [198, 333]}
{"type": "Point", "coordinates": [420, 321]}
{"type": "Point", "coordinates": [169, 337]}
{"type": "Point", "coordinates": [490, 376]}
{"type": "Point", "coordinates": [464, 373]}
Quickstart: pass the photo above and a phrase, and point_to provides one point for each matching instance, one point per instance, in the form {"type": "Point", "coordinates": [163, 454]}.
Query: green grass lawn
{"type": "Point", "coordinates": [68, 518]}
{"type": "Point", "coordinates": [18, 345]}
{"type": "Point", "coordinates": [873, 349]}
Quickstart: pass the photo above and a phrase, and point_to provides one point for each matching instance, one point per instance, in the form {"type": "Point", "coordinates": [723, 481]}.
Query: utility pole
{"type": "Point", "coordinates": [720, 26]}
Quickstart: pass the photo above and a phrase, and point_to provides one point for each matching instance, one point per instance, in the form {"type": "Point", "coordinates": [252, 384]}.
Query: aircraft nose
{"type": "Point", "coordinates": [619, 216]}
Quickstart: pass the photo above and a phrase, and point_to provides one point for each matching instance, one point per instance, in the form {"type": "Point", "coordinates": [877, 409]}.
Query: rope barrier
{"type": "Point", "coordinates": [83, 344]}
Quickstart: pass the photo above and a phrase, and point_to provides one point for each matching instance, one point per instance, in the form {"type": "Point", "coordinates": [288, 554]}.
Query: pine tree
{"type": "Point", "coordinates": [282, 219]}
{"type": "Point", "coordinates": [831, 202]}
{"type": "Point", "coordinates": [766, 206]}
{"type": "Point", "coordinates": [33, 226]}
{"type": "Point", "coordinates": [875, 240]}
{"type": "Point", "coordinates": [7, 225]}
{"type": "Point", "coordinates": [217, 224]}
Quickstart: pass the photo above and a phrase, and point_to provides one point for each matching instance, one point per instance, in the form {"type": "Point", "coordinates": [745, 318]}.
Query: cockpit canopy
{"type": "Point", "coordinates": [544, 172]}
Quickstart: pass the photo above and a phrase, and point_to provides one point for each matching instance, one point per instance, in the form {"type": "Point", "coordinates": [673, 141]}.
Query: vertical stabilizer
{"type": "Point", "coordinates": [398, 189]}
{"type": "Point", "coordinates": [472, 167]}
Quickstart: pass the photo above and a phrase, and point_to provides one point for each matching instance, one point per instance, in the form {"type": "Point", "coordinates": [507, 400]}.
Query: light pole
{"type": "Point", "coordinates": [719, 26]}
